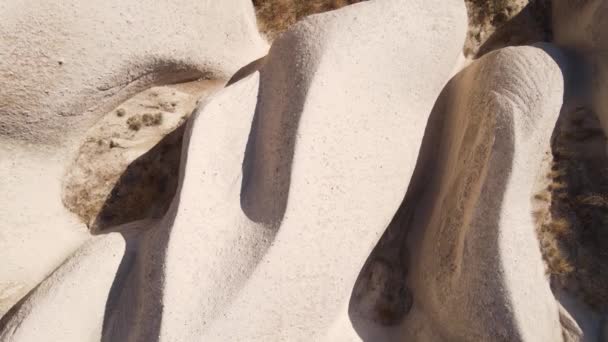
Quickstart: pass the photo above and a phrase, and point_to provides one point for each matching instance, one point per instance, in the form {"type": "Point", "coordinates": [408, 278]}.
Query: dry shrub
{"type": "Point", "coordinates": [560, 265]}
{"type": "Point", "coordinates": [556, 186]}
{"type": "Point", "coordinates": [149, 119]}
{"type": "Point", "coordinates": [538, 216]}
{"type": "Point", "coordinates": [542, 196]}
{"type": "Point", "coordinates": [560, 228]}
{"type": "Point", "coordinates": [555, 174]}
{"type": "Point", "coordinates": [574, 238]}
{"type": "Point", "coordinates": [495, 24]}
{"type": "Point", "coordinates": [134, 122]}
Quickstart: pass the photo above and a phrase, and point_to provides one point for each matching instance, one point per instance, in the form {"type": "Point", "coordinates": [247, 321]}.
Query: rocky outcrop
{"type": "Point", "coordinates": [339, 188]}
{"type": "Point", "coordinates": [63, 66]}
{"type": "Point", "coordinates": [270, 212]}
{"type": "Point", "coordinates": [475, 263]}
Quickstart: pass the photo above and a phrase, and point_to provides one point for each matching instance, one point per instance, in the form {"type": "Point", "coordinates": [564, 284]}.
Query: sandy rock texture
{"type": "Point", "coordinates": [82, 58]}
{"type": "Point", "coordinates": [315, 114]}
{"type": "Point", "coordinates": [166, 176]}
{"type": "Point", "coordinates": [262, 156]}
{"type": "Point", "coordinates": [63, 66]}
{"type": "Point", "coordinates": [473, 242]}
{"type": "Point", "coordinates": [127, 165]}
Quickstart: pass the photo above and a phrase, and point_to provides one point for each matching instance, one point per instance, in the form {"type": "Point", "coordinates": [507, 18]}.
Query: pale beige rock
{"type": "Point", "coordinates": [334, 141]}
{"type": "Point", "coordinates": [69, 61]}
{"type": "Point", "coordinates": [329, 129]}
{"type": "Point", "coordinates": [289, 177]}
{"type": "Point", "coordinates": [63, 65]}
{"type": "Point", "coordinates": [476, 270]}
{"type": "Point", "coordinates": [87, 277]}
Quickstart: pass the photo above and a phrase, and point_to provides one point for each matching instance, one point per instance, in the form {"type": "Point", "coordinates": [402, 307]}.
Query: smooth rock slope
{"type": "Point", "coordinates": [356, 183]}
{"type": "Point", "coordinates": [63, 65]}
{"type": "Point", "coordinates": [271, 212]}
{"type": "Point", "coordinates": [476, 270]}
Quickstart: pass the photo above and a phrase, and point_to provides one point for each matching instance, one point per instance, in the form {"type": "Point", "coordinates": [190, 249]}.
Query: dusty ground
{"type": "Point", "coordinates": [126, 168]}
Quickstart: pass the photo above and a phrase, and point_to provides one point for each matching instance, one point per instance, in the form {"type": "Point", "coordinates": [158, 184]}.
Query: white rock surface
{"type": "Point", "coordinates": [289, 177]}
{"type": "Point", "coordinates": [336, 130]}
{"type": "Point", "coordinates": [326, 136]}
{"type": "Point", "coordinates": [63, 64]}
{"type": "Point", "coordinates": [477, 272]}
{"type": "Point", "coordinates": [68, 61]}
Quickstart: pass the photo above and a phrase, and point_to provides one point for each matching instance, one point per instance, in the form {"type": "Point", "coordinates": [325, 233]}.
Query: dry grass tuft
{"type": "Point", "coordinates": [561, 266]}
{"type": "Point", "coordinates": [134, 122]}
{"type": "Point", "coordinates": [560, 228]}
{"type": "Point", "coordinates": [152, 119]}
{"type": "Point", "coordinates": [538, 216]}
{"type": "Point", "coordinates": [137, 121]}
{"type": "Point", "coordinates": [573, 232]}
{"type": "Point", "coordinates": [595, 200]}
{"type": "Point", "coordinates": [543, 196]}
{"type": "Point", "coordinates": [555, 174]}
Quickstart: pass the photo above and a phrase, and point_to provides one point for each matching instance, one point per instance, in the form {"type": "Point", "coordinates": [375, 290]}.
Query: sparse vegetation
{"type": "Point", "coordinates": [152, 119]}
{"type": "Point", "coordinates": [560, 228]}
{"type": "Point", "coordinates": [555, 174]}
{"type": "Point", "coordinates": [497, 23]}
{"type": "Point", "coordinates": [594, 200]}
{"type": "Point", "coordinates": [561, 266]}
{"type": "Point", "coordinates": [542, 196]}
{"type": "Point", "coordinates": [573, 231]}
{"type": "Point", "coordinates": [113, 180]}
{"type": "Point", "coordinates": [134, 122]}
{"type": "Point", "coordinates": [147, 119]}
{"type": "Point", "coordinates": [556, 186]}
{"type": "Point", "coordinates": [538, 216]}
{"type": "Point", "coordinates": [275, 16]}
{"type": "Point", "coordinates": [168, 106]}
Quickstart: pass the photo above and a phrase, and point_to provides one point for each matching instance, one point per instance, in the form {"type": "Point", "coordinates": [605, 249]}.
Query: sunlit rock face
{"type": "Point", "coordinates": [65, 66]}
{"type": "Point", "coordinates": [380, 172]}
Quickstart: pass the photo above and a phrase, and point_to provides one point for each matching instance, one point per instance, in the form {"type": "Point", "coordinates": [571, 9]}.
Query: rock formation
{"type": "Point", "coordinates": [168, 177]}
